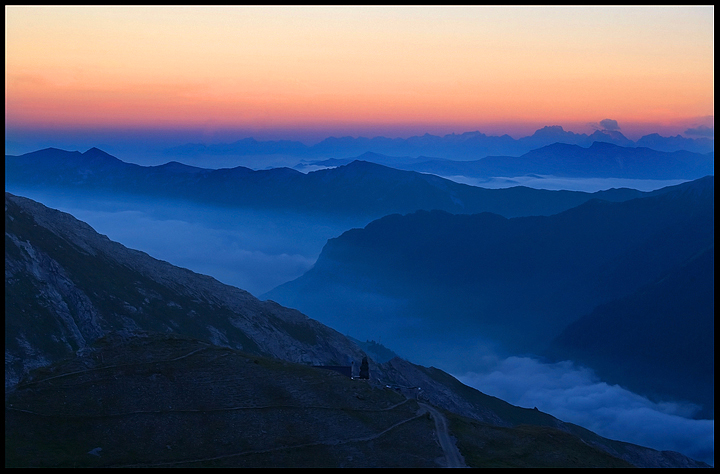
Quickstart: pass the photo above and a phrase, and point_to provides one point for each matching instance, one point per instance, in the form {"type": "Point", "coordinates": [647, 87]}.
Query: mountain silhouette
{"type": "Point", "coordinates": [600, 160]}
{"type": "Point", "coordinates": [463, 146]}
{"type": "Point", "coordinates": [117, 380]}
{"type": "Point", "coordinates": [659, 340]}
{"type": "Point", "coordinates": [432, 282]}
{"type": "Point", "coordinates": [360, 189]}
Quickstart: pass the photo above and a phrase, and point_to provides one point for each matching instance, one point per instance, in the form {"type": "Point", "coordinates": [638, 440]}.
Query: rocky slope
{"type": "Point", "coordinates": [66, 286]}
{"type": "Point", "coordinates": [162, 400]}
{"type": "Point", "coordinates": [137, 363]}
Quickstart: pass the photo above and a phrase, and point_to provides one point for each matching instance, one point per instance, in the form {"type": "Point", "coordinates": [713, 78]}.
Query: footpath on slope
{"type": "Point", "coordinates": [453, 458]}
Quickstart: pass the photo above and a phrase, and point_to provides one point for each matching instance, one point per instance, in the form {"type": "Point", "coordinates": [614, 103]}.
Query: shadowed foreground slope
{"type": "Point", "coordinates": [164, 400]}
{"type": "Point", "coordinates": [120, 396]}
{"type": "Point", "coordinates": [148, 399]}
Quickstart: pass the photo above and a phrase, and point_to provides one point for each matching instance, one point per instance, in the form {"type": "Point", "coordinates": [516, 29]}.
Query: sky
{"type": "Point", "coordinates": [306, 73]}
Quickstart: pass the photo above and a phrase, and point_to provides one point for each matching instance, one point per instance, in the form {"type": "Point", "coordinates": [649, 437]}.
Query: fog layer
{"type": "Point", "coordinates": [574, 394]}
{"type": "Point", "coordinates": [258, 251]}
{"type": "Point", "coordinates": [254, 251]}
{"type": "Point", "coordinates": [556, 183]}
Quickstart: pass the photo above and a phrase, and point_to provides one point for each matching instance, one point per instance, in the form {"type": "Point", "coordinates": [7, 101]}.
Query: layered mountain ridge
{"type": "Point", "coordinates": [118, 395]}
{"type": "Point", "coordinates": [600, 160]}
{"type": "Point", "coordinates": [464, 146]}
{"type": "Point", "coordinates": [432, 283]}
{"type": "Point", "coordinates": [360, 190]}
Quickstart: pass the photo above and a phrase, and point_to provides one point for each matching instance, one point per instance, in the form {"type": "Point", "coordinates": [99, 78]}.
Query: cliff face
{"type": "Point", "coordinates": [67, 285]}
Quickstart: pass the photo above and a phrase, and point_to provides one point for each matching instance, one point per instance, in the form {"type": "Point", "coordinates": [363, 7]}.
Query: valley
{"type": "Point", "coordinates": [417, 266]}
{"type": "Point", "coordinates": [365, 236]}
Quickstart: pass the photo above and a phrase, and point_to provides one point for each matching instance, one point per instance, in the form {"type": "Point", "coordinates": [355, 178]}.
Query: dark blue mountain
{"type": "Point", "coordinates": [432, 283]}
{"type": "Point", "coordinates": [359, 189]}
{"type": "Point", "coordinates": [659, 339]}
{"type": "Point", "coordinates": [464, 146]}
{"type": "Point", "coordinates": [600, 160]}
{"type": "Point", "coordinates": [114, 359]}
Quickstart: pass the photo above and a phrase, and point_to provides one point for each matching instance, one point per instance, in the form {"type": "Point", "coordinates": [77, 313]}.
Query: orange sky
{"type": "Point", "coordinates": [464, 68]}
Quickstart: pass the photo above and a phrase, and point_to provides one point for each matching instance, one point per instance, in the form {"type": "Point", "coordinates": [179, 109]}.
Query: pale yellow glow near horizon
{"type": "Point", "coordinates": [292, 65]}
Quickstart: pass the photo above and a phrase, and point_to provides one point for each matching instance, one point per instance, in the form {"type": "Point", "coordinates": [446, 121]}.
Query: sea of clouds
{"type": "Point", "coordinates": [576, 395]}
{"type": "Point", "coordinates": [257, 252]}
{"type": "Point", "coordinates": [556, 183]}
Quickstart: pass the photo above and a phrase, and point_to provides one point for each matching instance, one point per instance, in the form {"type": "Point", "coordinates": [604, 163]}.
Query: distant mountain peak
{"type": "Point", "coordinates": [94, 151]}
{"type": "Point", "coordinates": [52, 152]}
{"type": "Point", "coordinates": [550, 130]}
{"type": "Point", "coordinates": [98, 153]}
{"type": "Point", "coordinates": [179, 167]}
{"type": "Point", "coordinates": [359, 163]}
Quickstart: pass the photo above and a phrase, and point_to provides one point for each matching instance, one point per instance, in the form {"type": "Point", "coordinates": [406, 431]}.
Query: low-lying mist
{"type": "Point", "coordinates": [570, 393]}
{"type": "Point", "coordinates": [236, 256]}
{"type": "Point", "coordinates": [254, 251]}
{"type": "Point", "coordinates": [556, 183]}
{"type": "Point", "coordinates": [575, 394]}
{"type": "Point", "coordinates": [257, 251]}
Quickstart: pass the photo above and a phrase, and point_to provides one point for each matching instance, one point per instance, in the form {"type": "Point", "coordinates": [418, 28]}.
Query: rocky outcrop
{"type": "Point", "coordinates": [66, 286]}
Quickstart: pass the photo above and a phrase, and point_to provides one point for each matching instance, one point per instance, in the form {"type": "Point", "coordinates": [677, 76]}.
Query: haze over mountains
{"type": "Point", "coordinates": [462, 147]}
{"type": "Point", "coordinates": [433, 283]}
{"type": "Point", "coordinates": [280, 218]}
{"type": "Point", "coordinates": [599, 160]}
{"type": "Point", "coordinates": [143, 147]}
{"type": "Point", "coordinates": [133, 397]}
{"type": "Point", "coordinates": [359, 189]}
{"type": "Point", "coordinates": [216, 213]}
{"type": "Point", "coordinates": [442, 273]}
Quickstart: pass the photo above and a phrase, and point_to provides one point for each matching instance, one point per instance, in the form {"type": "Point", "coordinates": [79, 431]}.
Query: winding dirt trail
{"type": "Point", "coordinates": [453, 457]}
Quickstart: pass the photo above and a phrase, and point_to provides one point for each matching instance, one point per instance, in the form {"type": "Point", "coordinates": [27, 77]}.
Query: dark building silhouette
{"type": "Point", "coordinates": [364, 369]}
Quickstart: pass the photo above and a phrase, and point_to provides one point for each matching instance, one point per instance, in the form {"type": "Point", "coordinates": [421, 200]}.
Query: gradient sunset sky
{"type": "Point", "coordinates": [312, 72]}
